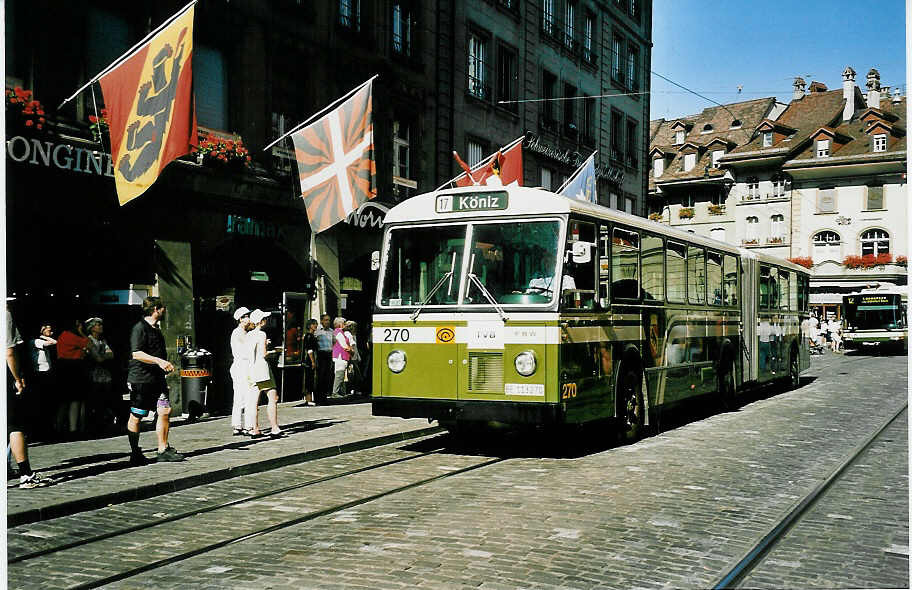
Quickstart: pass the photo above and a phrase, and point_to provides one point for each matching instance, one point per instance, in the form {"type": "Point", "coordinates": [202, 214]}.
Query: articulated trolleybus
{"type": "Point", "coordinates": [515, 305]}
{"type": "Point", "coordinates": [876, 317]}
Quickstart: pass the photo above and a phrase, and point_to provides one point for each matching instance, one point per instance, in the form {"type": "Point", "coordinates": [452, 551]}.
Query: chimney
{"type": "Point", "coordinates": [873, 89]}
{"type": "Point", "coordinates": [897, 96]}
{"type": "Point", "coordinates": [848, 93]}
{"type": "Point", "coordinates": [799, 88]}
{"type": "Point", "coordinates": [885, 92]}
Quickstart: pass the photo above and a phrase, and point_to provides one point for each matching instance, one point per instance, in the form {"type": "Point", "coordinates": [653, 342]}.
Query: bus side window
{"type": "Point", "coordinates": [783, 283]}
{"type": "Point", "coordinates": [730, 280]}
{"type": "Point", "coordinates": [764, 287]}
{"type": "Point", "coordinates": [676, 272]}
{"type": "Point", "coordinates": [653, 260]}
{"type": "Point", "coordinates": [773, 288]}
{"type": "Point", "coordinates": [625, 260]}
{"type": "Point", "coordinates": [793, 291]}
{"type": "Point", "coordinates": [714, 277]}
{"type": "Point", "coordinates": [578, 291]}
{"type": "Point", "coordinates": [696, 275]}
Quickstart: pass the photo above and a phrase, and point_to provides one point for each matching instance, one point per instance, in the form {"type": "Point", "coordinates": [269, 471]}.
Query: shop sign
{"type": "Point", "coordinates": [247, 226]}
{"type": "Point", "coordinates": [59, 155]}
{"type": "Point", "coordinates": [369, 216]}
{"type": "Point", "coordinates": [534, 144]}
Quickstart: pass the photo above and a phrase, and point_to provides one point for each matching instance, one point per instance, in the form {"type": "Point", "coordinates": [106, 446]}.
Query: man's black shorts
{"type": "Point", "coordinates": [16, 410]}
{"type": "Point", "coordinates": [144, 396]}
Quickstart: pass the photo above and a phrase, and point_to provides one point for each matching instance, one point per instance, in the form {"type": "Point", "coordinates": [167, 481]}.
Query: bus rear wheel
{"type": "Point", "coordinates": [727, 384]}
{"type": "Point", "coordinates": [631, 411]}
{"type": "Point", "coordinates": [794, 370]}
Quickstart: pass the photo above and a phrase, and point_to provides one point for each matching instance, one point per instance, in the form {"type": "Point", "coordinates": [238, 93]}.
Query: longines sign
{"type": "Point", "coordinates": [534, 144]}
{"type": "Point", "coordinates": [59, 155]}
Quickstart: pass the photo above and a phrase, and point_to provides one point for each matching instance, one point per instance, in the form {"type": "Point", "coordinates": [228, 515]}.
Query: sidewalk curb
{"type": "Point", "coordinates": [157, 489]}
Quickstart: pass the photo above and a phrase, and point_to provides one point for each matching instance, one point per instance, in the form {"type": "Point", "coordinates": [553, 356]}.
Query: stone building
{"type": "Point", "coordinates": [821, 182]}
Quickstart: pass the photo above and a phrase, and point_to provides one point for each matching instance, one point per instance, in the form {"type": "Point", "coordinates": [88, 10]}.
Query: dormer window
{"type": "Point", "coordinates": [690, 160]}
{"type": "Point", "coordinates": [767, 139]}
{"type": "Point", "coordinates": [707, 128]}
{"type": "Point", "coordinates": [679, 137]}
{"type": "Point", "coordinates": [823, 148]}
{"type": "Point", "coordinates": [736, 124]}
{"type": "Point", "coordinates": [880, 142]}
{"type": "Point", "coordinates": [717, 154]}
{"type": "Point", "coordinates": [658, 167]}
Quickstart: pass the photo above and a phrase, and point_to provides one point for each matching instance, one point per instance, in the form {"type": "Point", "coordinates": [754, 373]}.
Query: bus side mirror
{"type": "Point", "coordinates": [582, 252]}
{"type": "Point", "coordinates": [375, 260]}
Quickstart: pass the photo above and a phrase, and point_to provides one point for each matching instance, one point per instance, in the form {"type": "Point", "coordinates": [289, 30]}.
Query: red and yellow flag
{"type": "Point", "coordinates": [149, 97]}
{"type": "Point", "coordinates": [506, 163]}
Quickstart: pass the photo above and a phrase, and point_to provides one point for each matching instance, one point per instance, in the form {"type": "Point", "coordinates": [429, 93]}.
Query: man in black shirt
{"type": "Point", "coordinates": [146, 378]}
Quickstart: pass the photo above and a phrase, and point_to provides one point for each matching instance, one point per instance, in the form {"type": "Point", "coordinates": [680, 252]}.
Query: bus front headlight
{"type": "Point", "coordinates": [525, 363]}
{"type": "Point", "coordinates": [396, 361]}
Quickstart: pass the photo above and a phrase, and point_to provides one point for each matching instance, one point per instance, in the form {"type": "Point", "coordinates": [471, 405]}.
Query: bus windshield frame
{"type": "Point", "coordinates": [428, 264]}
{"type": "Point", "coordinates": [875, 315]}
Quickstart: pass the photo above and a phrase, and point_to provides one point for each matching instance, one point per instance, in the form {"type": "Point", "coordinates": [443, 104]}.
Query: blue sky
{"type": "Point", "coordinates": [714, 46]}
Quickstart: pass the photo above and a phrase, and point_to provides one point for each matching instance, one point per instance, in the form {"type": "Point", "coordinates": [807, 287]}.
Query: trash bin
{"type": "Point", "coordinates": [196, 372]}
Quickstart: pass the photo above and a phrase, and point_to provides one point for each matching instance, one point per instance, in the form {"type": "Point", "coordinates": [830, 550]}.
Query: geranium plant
{"type": "Point", "coordinates": [655, 216]}
{"type": "Point", "coordinates": [805, 261]}
{"type": "Point", "coordinates": [686, 213]}
{"type": "Point", "coordinates": [31, 112]}
{"type": "Point", "coordinates": [867, 261]}
{"type": "Point", "coordinates": [901, 261]}
{"type": "Point", "coordinates": [225, 151]}
{"type": "Point", "coordinates": [99, 125]}
{"type": "Point", "coordinates": [716, 209]}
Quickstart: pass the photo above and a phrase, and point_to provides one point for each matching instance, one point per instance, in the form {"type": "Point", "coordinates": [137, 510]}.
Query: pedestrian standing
{"type": "Point", "coordinates": [16, 408]}
{"type": "Point", "coordinates": [100, 406]}
{"type": "Point", "coordinates": [310, 347]}
{"type": "Point", "coordinates": [146, 378]}
{"type": "Point", "coordinates": [354, 364]}
{"type": "Point", "coordinates": [262, 374]}
{"type": "Point", "coordinates": [240, 373]}
{"type": "Point", "coordinates": [341, 354]}
{"type": "Point", "coordinates": [44, 362]}
{"type": "Point", "coordinates": [72, 378]}
{"type": "Point", "coordinates": [324, 335]}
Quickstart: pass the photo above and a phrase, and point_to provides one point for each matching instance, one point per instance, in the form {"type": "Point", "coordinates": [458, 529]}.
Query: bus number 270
{"type": "Point", "coordinates": [568, 390]}
{"type": "Point", "coordinates": [395, 335]}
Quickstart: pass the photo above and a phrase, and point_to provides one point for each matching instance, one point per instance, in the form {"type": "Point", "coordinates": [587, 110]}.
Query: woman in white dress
{"type": "Point", "coordinates": [261, 374]}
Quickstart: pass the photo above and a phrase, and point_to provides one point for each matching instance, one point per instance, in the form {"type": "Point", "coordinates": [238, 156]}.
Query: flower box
{"type": "Point", "coordinates": [716, 209]}
{"type": "Point", "coordinates": [901, 261]}
{"type": "Point", "coordinates": [215, 151]}
{"type": "Point", "coordinates": [655, 216]}
{"type": "Point", "coordinates": [774, 240]}
{"type": "Point", "coordinates": [750, 242]}
{"type": "Point", "coordinates": [867, 261]}
{"type": "Point", "coordinates": [686, 213]}
{"type": "Point", "coordinates": [23, 113]}
{"type": "Point", "coordinates": [805, 261]}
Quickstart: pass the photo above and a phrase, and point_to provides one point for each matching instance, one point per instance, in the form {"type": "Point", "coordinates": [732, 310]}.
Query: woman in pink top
{"type": "Point", "coordinates": [341, 355]}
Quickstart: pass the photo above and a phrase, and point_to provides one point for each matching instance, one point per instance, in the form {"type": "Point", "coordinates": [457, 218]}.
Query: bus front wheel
{"type": "Point", "coordinates": [631, 411]}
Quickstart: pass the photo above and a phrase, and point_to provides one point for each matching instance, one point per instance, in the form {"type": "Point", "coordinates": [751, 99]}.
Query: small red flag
{"type": "Point", "coordinates": [506, 163]}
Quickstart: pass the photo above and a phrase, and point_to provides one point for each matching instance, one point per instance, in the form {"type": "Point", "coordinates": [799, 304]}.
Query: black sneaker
{"type": "Point", "coordinates": [169, 455]}
{"type": "Point", "coordinates": [138, 460]}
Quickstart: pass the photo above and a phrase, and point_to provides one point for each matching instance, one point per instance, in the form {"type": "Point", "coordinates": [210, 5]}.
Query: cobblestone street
{"type": "Point", "coordinates": [671, 511]}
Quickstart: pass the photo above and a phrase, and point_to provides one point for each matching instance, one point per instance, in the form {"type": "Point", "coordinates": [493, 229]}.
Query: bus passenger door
{"type": "Point", "coordinates": [749, 305]}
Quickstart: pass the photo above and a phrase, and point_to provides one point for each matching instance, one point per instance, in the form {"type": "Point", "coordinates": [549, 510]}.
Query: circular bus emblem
{"type": "Point", "coordinates": [445, 335]}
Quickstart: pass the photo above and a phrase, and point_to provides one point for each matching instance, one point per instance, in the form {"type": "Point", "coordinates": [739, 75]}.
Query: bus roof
{"type": "Point", "coordinates": [534, 201]}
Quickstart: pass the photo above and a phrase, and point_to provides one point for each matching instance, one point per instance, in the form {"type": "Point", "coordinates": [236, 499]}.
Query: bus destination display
{"type": "Point", "coordinates": [471, 202]}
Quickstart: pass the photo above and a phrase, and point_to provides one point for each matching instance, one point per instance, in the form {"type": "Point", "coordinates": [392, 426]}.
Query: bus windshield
{"type": "Point", "coordinates": [874, 312]}
{"type": "Point", "coordinates": [515, 262]}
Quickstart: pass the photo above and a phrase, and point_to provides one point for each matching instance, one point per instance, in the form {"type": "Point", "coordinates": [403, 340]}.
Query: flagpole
{"type": "Point", "coordinates": [577, 173]}
{"type": "Point", "coordinates": [484, 162]}
{"type": "Point", "coordinates": [331, 105]}
{"type": "Point", "coordinates": [129, 52]}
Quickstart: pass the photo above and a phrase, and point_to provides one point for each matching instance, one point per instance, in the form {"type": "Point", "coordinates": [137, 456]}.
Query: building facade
{"type": "Point", "coordinates": [821, 182]}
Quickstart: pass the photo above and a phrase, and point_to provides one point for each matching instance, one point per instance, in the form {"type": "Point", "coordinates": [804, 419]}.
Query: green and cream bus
{"type": "Point", "coordinates": [516, 305]}
{"type": "Point", "coordinates": [876, 317]}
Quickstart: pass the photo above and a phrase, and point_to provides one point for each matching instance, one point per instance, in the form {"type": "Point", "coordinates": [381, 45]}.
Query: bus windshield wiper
{"type": "Point", "coordinates": [484, 291]}
{"type": "Point", "coordinates": [439, 284]}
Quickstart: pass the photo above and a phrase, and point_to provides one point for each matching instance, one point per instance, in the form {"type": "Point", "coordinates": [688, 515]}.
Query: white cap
{"type": "Point", "coordinates": [257, 315]}
{"type": "Point", "coordinates": [240, 312]}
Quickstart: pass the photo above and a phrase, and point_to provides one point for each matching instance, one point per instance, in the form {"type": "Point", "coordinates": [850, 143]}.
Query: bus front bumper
{"type": "Point", "coordinates": [469, 410]}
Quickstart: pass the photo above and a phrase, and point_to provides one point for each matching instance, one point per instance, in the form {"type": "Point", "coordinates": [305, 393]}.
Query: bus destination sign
{"type": "Point", "coordinates": [471, 202]}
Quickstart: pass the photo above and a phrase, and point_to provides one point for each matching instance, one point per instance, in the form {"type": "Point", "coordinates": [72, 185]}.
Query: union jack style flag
{"type": "Point", "coordinates": [335, 157]}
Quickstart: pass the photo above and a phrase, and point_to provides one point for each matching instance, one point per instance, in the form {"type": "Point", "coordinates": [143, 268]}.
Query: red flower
{"type": "Point", "coordinates": [29, 122]}
{"type": "Point", "coordinates": [93, 119]}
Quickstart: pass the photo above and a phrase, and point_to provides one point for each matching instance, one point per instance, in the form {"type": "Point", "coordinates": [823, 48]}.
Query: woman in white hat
{"type": "Point", "coordinates": [261, 374]}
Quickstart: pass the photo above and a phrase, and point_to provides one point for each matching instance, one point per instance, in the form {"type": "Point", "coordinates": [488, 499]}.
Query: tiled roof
{"type": "Point", "coordinates": [860, 142]}
{"type": "Point", "coordinates": [806, 115]}
{"type": "Point", "coordinates": [749, 113]}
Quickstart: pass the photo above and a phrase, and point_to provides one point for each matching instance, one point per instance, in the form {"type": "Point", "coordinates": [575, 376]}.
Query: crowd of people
{"type": "Point", "coordinates": [71, 376]}
{"type": "Point", "coordinates": [825, 334]}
